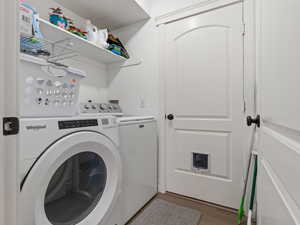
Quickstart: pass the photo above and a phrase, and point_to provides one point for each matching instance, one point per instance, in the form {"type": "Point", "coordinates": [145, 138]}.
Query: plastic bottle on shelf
{"type": "Point", "coordinates": [92, 32]}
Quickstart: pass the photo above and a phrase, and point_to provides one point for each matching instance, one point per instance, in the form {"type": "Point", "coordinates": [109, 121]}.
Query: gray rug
{"type": "Point", "coordinates": [161, 212]}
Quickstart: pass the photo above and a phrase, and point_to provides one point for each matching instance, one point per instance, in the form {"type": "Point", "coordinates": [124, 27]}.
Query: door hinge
{"type": "Point", "coordinates": [244, 29]}
{"type": "Point", "coordinates": [11, 126]}
{"type": "Point", "coordinates": [244, 107]}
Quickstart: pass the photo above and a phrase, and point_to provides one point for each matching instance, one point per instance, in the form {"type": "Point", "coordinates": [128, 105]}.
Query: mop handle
{"type": "Point", "coordinates": [253, 184]}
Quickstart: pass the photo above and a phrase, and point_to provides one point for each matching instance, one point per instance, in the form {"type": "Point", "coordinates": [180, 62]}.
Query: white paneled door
{"type": "Point", "coordinates": [278, 78]}
{"type": "Point", "coordinates": [204, 104]}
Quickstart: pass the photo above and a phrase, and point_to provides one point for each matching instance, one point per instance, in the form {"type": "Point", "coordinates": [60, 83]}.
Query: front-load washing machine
{"type": "Point", "coordinates": [70, 168]}
{"type": "Point", "coordinates": [70, 171]}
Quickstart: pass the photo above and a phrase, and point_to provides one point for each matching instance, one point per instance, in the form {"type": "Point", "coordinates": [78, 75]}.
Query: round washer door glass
{"type": "Point", "coordinates": [75, 189]}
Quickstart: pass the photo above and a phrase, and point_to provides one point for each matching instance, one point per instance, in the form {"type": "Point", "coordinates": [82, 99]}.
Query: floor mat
{"type": "Point", "coordinates": [161, 212]}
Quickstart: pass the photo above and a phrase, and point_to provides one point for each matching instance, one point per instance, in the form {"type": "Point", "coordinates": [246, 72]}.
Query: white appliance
{"type": "Point", "coordinates": [139, 153]}
{"type": "Point", "coordinates": [47, 89]}
{"type": "Point", "coordinates": [70, 167]}
{"type": "Point", "coordinates": [70, 171]}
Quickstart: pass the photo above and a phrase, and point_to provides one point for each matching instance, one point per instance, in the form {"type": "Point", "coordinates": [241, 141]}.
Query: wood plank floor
{"type": "Point", "coordinates": [212, 215]}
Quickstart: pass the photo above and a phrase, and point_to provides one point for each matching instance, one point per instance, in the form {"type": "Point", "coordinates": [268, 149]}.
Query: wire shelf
{"type": "Point", "coordinates": [51, 51]}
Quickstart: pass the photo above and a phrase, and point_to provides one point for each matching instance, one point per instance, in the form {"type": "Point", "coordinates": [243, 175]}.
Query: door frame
{"type": "Point", "coordinates": [249, 69]}
{"type": "Point", "coordinates": [251, 84]}
{"type": "Point", "coordinates": [8, 108]}
{"type": "Point", "coordinates": [2, 174]}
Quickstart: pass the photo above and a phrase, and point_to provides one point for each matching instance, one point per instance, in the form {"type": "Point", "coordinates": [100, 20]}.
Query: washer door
{"type": "Point", "coordinates": [76, 181]}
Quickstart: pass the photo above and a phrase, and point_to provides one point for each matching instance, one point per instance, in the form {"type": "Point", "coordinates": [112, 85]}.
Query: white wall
{"type": "Point", "coordinates": [145, 4]}
{"type": "Point", "coordinates": [137, 86]}
{"type": "Point", "coordinates": [94, 87]}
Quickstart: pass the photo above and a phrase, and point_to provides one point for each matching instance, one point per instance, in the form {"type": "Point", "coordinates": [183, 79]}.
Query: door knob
{"type": "Point", "coordinates": [255, 120]}
{"type": "Point", "coordinates": [170, 117]}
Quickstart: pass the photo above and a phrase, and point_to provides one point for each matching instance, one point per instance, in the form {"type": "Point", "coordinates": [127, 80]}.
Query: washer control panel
{"type": "Point", "coordinates": [48, 90]}
{"type": "Point", "coordinates": [103, 122]}
{"type": "Point", "coordinates": [72, 124]}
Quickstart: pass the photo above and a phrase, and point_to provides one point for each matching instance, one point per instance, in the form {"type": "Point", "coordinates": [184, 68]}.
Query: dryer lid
{"type": "Point", "coordinates": [134, 119]}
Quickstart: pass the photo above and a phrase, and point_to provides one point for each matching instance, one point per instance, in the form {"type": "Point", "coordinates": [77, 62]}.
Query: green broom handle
{"type": "Point", "coordinates": [253, 184]}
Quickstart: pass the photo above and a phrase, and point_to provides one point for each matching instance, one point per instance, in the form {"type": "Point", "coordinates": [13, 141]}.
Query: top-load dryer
{"type": "Point", "coordinates": [139, 155]}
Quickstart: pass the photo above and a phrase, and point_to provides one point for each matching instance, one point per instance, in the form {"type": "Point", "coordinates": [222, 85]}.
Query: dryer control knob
{"type": "Point", "coordinates": [103, 107]}
{"type": "Point", "coordinates": [49, 83]}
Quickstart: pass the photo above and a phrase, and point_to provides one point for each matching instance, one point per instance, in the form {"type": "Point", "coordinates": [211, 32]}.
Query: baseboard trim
{"type": "Point", "coordinates": [228, 209]}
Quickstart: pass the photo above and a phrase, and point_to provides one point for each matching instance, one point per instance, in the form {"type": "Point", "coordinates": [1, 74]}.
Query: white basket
{"type": "Point", "coordinates": [47, 89]}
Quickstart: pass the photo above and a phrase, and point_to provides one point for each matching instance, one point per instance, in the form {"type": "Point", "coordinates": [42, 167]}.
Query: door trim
{"type": "Point", "coordinates": [162, 163]}
{"type": "Point", "coordinates": [202, 7]}
{"type": "Point", "coordinates": [2, 152]}
{"type": "Point", "coordinates": [8, 104]}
